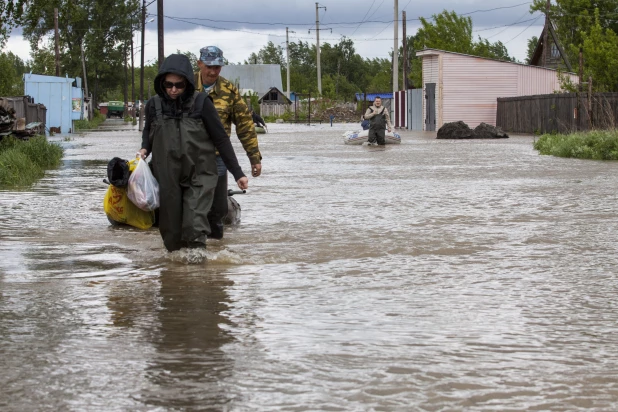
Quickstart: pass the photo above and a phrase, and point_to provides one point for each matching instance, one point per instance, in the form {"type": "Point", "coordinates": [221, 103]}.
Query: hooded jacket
{"type": "Point", "coordinates": [180, 65]}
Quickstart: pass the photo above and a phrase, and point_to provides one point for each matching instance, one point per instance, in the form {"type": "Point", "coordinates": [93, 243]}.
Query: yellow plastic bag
{"type": "Point", "coordinates": [119, 208]}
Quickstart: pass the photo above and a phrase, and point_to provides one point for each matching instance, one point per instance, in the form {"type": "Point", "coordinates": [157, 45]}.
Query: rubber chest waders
{"type": "Point", "coordinates": [377, 127]}
{"type": "Point", "coordinates": [183, 157]}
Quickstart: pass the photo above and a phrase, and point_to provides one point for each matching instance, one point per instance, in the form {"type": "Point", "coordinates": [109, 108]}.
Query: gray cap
{"type": "Point", "coordinates": [212, 56]}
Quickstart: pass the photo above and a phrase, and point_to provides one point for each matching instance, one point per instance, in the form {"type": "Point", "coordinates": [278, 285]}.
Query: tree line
{"type": "Point", "coordinates": [104, 30]}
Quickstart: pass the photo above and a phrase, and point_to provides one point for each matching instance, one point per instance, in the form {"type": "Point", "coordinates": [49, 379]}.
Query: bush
{"type": "Point", "coordinates": [595, 145]}
{"type": "Point", "coordinates": [97, 119]}
{"type": "Point", "coordinates": [23, 162]}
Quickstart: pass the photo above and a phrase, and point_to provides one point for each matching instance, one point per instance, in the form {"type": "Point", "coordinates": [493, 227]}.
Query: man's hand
{"type": "Point", "coordinates": [256, 170]}
{"type": "Point", "coordinates": [141, 153]}
{"type": "Point", "coordinates": [243, 183]}
{"type": "Point", "coordinates": [389, 130]}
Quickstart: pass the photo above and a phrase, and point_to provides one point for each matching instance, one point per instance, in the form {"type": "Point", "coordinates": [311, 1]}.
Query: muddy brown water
{"type": "Point", "coordinates": [433, 275]}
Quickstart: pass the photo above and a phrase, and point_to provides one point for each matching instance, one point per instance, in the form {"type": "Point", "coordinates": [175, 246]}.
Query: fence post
{"type": "Point", "coordinates": [590, 122]}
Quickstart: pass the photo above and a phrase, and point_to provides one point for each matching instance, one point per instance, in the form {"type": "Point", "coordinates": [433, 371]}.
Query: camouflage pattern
{"type": "Point", "coordinates": [233, 109]}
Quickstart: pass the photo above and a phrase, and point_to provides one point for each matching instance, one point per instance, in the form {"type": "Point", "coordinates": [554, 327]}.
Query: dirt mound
{"type": "Point", "coordinates": [341, 115]}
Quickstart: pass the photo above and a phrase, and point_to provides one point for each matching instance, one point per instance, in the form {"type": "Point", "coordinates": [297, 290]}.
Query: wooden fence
{"type": "Point", "coordinates": [275, 109]}
{"type": "Point", "coordinates": [561, 113]}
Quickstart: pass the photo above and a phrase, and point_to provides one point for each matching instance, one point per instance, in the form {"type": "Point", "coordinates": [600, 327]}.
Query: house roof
{"type": "Point", "coordinates": [372, 96]}
{"type": "Point", "coordinates": [278, 91]}
{"type": "Point", "coordinates": [258, 77]}
{"type": "Point", "coordinates": [538, 50]}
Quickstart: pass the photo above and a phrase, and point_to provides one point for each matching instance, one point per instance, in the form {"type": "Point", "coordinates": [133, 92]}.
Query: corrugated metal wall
{"type": "Point", "coordinates": [415, 109]}
{"type": "Point", "coordinates": [471, 86]}
{"type": "Point", "coordinates": [532, 80]}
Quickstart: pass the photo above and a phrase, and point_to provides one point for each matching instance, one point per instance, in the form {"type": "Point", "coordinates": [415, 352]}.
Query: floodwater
{"type": "Point", "coordinates": [434, 275]}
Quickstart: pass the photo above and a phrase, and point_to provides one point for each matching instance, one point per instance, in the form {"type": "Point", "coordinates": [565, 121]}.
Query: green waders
{"type": "Point", "coordinates": [377, 125]}
{"type": "Point", "coordinates": [183, 157]}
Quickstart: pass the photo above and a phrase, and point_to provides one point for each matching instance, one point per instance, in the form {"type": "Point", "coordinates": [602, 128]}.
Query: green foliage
{"type": "Point", "coordinates": [532, 42]}
{"type": "Point", "coordinates": [24, 162]}
{"type": "Point", "coordinates": [269, 54]}
{"type": "Point", "coordinates": [594, 145]}
{"type": "Point", "coordinates": [97, 119]}
{"type": "Point", "coordinates": [10, 13]}
{"type": "Point", "coordinates": [591, 25]}
{"type": "Point", "coordinates": [10, 82]}
{"type": "Point", "coordinates": [103, 27]}
{"type": "Point", "coordinates": [453, 33]}
{"type": "Point", "coordinates": [600, 48]}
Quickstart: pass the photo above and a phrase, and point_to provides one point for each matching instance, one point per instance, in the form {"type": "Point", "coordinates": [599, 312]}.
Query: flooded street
{"type": "Point", "coordinates": [434, 275]}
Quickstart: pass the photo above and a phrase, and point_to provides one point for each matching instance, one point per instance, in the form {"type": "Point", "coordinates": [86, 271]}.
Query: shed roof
{"type": "Point", "coordinates": [258, 77]}
{"type": "Point", "coordinates": [278, 91]}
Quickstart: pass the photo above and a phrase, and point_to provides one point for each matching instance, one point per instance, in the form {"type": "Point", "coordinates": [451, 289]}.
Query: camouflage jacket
{"type": "Point", "coordinates": [233, 109]}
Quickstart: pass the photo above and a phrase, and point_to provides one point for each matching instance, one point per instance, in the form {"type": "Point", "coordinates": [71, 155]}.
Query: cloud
{"type": "Point", "coordinates": [247, 25]}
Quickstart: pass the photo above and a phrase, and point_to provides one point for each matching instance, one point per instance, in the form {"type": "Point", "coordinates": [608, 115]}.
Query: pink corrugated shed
{"type": "Point", "coordinates": [467, 87]}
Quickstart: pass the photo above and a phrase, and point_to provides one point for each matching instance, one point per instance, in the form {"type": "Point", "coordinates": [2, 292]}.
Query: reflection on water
{"type": "Point", "coordinates": [431, 275]}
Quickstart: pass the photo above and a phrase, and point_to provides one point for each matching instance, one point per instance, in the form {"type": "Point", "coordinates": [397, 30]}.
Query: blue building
{"type": "Point", "coordinates": [62, 96]}
{"type": "Point", "coordinates": [359, 97]}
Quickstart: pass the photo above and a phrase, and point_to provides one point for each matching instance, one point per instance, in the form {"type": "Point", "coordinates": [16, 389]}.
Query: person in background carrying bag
{"type": "Point", "coordinates": [182, 130]}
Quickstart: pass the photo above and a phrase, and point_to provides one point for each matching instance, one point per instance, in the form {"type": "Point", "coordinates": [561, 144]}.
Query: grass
{"type": "Point", "coordinates": [594, 145]}
{"type": "Point", "coordinates": [24, 162]}
{"type": "Point", "coordinates": [97, 119]}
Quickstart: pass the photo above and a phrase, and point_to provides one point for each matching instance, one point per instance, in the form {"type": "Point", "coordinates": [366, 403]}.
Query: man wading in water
{"type": "Point", "coordinates": [378, 121]}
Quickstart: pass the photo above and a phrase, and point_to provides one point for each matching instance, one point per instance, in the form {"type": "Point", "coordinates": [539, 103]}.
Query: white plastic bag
{"type": "Point", "coordinates": [143, 189]}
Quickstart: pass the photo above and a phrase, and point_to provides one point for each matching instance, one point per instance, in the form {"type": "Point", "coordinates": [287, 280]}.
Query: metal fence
{"type": "Point", "coordinates": [561, 113]}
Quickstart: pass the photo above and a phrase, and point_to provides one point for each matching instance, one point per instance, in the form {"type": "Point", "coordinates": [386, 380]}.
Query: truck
{"type": "Point", "coordinates": [115, 108]}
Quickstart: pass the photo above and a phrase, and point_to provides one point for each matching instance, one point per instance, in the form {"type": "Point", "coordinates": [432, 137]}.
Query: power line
{"type": "Point", "coordinates": [363, 19]}
{"type": "Point", "coordinates": [524, 29]}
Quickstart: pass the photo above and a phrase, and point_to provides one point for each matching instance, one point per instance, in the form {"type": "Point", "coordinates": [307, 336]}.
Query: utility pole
{"type": "Point", "coordinates": [287, 51]}
{"type": "Point", "coordinates": [317, 33]}
{"type": "Point", "coordinates": [141, 80]}
{"type": "Point", "coordinates": [396, 50]}
{"type": "Point", "coordinates": [81, 45]}
{"type": "Point", "coordinates": [160, 31]}
{"type": "Point", "coordinates": [57, 41]}
{"type": "Point", "coordinates": [405, 51]}
{"type": "Point", "coordinates": [545, 34]}
{"type": "Point", "coordinates": [132, 71]}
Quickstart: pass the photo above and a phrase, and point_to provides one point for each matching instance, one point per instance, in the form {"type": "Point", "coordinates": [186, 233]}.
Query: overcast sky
{"type": "Point", "coordinates": [240, 27]}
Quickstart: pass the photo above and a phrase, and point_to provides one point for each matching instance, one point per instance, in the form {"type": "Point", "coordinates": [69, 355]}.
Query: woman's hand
{"type": "Point", "coordinates": [243, 183]}
{"type": "Point", "coordinates": [142, 153]}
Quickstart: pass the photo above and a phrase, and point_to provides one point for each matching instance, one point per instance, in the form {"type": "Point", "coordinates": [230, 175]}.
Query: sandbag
{"type": "Point", "coordinates": [120, 209]}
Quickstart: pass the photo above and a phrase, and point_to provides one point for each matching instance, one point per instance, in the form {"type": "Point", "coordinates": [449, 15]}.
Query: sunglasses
{"type": "Point", "coordinates": [179, 85]}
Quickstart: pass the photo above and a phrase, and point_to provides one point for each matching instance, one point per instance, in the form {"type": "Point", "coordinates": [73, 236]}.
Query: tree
{"type": "Point", "coordinates": [532, 42]}
{"type": "Point", "coordinates": [10, 13]}
{"type": "Point", "coordinates": [450, 32]}
{"type": "Point", "coordinates": [12, 69]}
{"type": "Point", "coordinates": [600, 48]}
{"type": "Point", "coordinates": [573, 18]}
{"type": "Point", "coordinates": [102, 27]}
